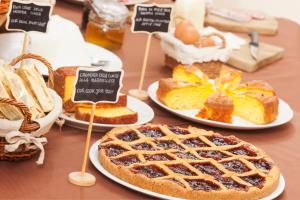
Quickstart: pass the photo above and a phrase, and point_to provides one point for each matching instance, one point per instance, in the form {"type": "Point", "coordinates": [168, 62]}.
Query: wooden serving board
{"type": "Point", "coordinates": [269, 26]}
{"type": "Point", "coordinates": [242, 59]}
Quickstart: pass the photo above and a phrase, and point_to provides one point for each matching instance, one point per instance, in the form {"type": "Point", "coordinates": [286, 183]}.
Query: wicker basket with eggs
{"type": "Point", "coordinates": [187, 45]}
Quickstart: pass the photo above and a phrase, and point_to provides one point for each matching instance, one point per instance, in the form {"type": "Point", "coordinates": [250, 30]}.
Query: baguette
{"type": "Point", "coordinates": [35, 83]}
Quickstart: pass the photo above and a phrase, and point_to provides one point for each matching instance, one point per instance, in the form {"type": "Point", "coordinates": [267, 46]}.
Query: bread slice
{"type": "Point", "coordinates": [36, 85]}
{"type": "Point", "coordinates": [120, 115]}
{"type": "Point", "coordinates": [182, 95]}
{"type": "Point", "coordinates": [19, 92]}
{"type": "Point", "coordinates": [8, 111]}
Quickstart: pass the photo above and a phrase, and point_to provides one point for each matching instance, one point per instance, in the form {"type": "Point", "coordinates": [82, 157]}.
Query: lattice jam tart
{"type": "Point", "coordinates": [188, 162]}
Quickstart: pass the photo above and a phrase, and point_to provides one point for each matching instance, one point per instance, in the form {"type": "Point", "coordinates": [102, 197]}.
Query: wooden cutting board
{"type": "Point", "coordinates": [269, 26]}
{"type": "Point", "coordinates": [242, 59]}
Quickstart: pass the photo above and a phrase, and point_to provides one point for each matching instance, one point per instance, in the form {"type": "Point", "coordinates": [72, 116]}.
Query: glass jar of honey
{"type": "Point", "coordinates": [106, 25]}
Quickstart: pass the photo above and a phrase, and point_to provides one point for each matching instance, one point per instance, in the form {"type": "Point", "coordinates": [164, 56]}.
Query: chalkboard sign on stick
{"type": "Point", "coordinates": [95, 85]}
{"type": "Point", "coordinates": [151, 18]}
{"type": "Point", "coordinates": [28, 16]}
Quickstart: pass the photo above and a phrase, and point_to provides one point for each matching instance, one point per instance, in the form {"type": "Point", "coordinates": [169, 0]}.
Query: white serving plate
{"type": "Point", "coordinates": [93, 154]}
{"type": "Point", "coordinates": [11, 45]}
{"type": "Point", "coordinates": [145, 115]}
{"type": "Point", "coordinates": [284, 116]}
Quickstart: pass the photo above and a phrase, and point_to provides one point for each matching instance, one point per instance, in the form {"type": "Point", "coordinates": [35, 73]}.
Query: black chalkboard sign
{"type": "Point", "coordinates": [151, 18]}
{"type": "Point", "coordinates": [95, 85]}
{"type": "Point", "coordinates": [24, 16]}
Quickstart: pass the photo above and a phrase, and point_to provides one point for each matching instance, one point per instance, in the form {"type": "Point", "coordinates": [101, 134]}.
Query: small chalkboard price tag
{"type": "Point", "coordinates": [28, 16]}
{"type": "Point", "coordinates": [95, 85]}
{"type": "Point", "coordinates": [151, 18]}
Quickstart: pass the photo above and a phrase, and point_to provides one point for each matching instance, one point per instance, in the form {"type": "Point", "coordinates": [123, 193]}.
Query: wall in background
{"type": "Point", "coordinates": [280, 8]}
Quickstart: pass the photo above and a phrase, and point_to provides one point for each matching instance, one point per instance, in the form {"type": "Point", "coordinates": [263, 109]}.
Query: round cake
{"type": "Point", "coordinates": [188, 162]}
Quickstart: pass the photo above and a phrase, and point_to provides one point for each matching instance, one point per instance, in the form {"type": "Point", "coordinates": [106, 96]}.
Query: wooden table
{"type": "Point", "coordinates": [25, 180]}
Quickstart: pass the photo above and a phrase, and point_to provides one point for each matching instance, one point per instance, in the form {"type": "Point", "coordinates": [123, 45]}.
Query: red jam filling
{"type": "Point", "coordinates": [143, 146]}
{"type": "Point", "coordinates": [229, 183]}
{"type": "Point", "coordinates": [243, 150]}
{"type": "Point", "coordinates": [151, 171]}
{"type": "Point", "coordinates": [219, 140]}
{"type": "Point", "coordinates": [261, 164]}
{"type": "Point", "coordinates": [235, 166]}
{"type": "Point", "coordinates": [151, 132]}
{"type": "Point", "coordinates": [158, 157]}
{"type": "Point", "coordinates": [128, 136]}
{"type": "Point", "coordinates": [186, 155]}
{"type": "Point", "coordinates": [194, 142]}
{"type": "Point", "coordinates": [208, 168]}
{"type": "Point", "coordinates": [126, 160]}
{"type": "Point", "coordinates": [255, 180]}
{"type": "Point", "coordinates": [216, 155]}
{"type": "Point", "coordinates": [113, 150]}
{"type": "Point", "coordinates": [168, 144]}
{"type": "Point", "coordinates": [199, 184]}
{"type": "Point", "coordinates": [176, 181]}
{"type": "Point", "coordinates": [181, 169]}
{"type": "Point", "coordinates": [178, 131]}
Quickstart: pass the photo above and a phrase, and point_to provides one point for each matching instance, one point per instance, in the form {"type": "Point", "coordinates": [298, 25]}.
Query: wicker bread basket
{"type": "Point", "coordinates": [36, 128]}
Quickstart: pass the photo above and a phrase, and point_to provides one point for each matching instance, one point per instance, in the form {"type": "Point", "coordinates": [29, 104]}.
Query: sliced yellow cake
{"type": "Point", "coordinates": [229, 79]}
{"type": "Point", "coordinates": [120, 115]}
{"type": "Point", "coordinates": [191, 74]}
{"type": "Point", "coordinates": [183, 95]}
{"type": "Point", "coordinates": [255, 101]}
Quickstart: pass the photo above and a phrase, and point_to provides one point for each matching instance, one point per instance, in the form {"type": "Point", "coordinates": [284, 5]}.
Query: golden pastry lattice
{"type": "Point", "coordinates": [193, 158]}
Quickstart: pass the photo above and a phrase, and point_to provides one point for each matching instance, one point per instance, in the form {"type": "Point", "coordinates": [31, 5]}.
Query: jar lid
{"type": "Point", "coordinates": [110, 10]}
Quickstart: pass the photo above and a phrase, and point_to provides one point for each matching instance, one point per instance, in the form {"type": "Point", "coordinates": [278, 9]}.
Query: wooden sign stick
{"type": "Point", "coordinates": [140, 93]}
{"type": "Point", "coordinates": [145, 61]}
{"type": "Point", "coordinates": [82, 178]}
{"type": "Point", "coordinates": [150, 18]}
{"type": "Point", "coordinates": [88, 139]}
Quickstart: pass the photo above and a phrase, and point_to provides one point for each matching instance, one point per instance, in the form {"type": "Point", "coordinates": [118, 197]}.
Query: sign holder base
{"type": "Point", "coordinates": [139, 94]}
{"type": "Point", "coordinates": [82, 179]}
